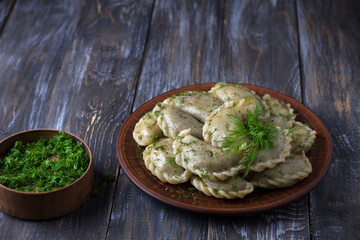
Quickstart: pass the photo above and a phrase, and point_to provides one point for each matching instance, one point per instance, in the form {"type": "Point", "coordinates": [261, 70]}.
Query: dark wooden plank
{"type": "Point", "coordinates": [5, 11]}
{"type": "Point", "coordinates": [183, 48]}
{"type": "Point", "coordinates": [72, 65]}
{"type": "Point", "coordinates": [329, 44]}
{"type": "Point", "coordinates": [260, 47]}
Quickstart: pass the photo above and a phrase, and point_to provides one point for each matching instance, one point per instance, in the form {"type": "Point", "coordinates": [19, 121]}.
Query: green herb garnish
{"type": "Point", "coordinates": [108, 176]}
{"type": "Point", "coordinates": [248, 138]}
{"type": "Point", "coordinates": [97, 190]}
{"type": "Point", "coordinates": [171, 161]}
{"type": "Point", "coordinates": [44, 165]}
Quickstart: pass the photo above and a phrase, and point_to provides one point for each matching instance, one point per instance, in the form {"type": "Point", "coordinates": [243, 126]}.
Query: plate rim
{"type": "Point", "coordinates": [222, 211]}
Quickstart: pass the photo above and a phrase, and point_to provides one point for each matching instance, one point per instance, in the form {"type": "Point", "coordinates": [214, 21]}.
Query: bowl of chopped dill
{"type": "Point", "coordinates": [44, 173]}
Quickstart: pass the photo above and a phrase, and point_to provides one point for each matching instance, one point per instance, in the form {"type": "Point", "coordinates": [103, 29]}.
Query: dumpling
{"type": "Point", "coordinates": [234, 187]}
{"type": "Point", "coordinates": [232, 92]}
{"type": "Point", "coordinates": [281, 114]}
{"type": "Point", "coordinates": [303, 137]}
{"type": "Point", "coordinates": [205, 160]}
{"type": "Point", "coordinates": [160, 160]}
{"type": "Point", "coordinates": [219, 124]}
{"type": "Point", "coordinates": [172, 120]}
{"type": "Point", "coordinates": [275, 155]}
{"type": "Point", "coordinates": [295, 168]}
{"type": "Point", "coordinates": [198, 104]}
{"type": "Point", "coordinates": [147, 131]}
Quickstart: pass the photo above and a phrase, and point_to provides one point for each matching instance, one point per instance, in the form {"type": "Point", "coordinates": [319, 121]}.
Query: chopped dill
{"type": "Point", "coordinates": [108, 176]}
{"type": "Point", "coordinates": [156, 113]}
{"type": "Point", "coordinates": [171, 161]}
{"type": "Point", "coordinates": [301, 147]}
{"type": "Point", "coordinates": [97, 190]}
{"type": "Point", "coordinates": [248, 138]}
{"type": "Point", "coordinates": [44, 165]}
{"type": "Point", "coordinates": [147, 116]}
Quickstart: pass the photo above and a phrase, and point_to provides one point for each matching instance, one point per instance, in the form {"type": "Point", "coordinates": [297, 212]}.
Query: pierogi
{"type": "Point", "coordinates": [270, 152]}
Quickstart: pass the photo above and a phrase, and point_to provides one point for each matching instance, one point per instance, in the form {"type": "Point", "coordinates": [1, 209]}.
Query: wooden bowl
{"type": "Point", "coordinates": [51, 204]}
{"type": "Point", "coordinates": [181, 196]}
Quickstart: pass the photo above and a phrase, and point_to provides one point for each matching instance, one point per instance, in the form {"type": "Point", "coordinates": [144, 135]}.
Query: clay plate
{"type": "Point", "coordinates": [183, 196]}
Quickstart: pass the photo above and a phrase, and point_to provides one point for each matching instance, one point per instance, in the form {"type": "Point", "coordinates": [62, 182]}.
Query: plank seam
{"type": "Point", "coordinates": [222, 39]}
{"type": "Point", "coordinates": [132, 105]}
{"type": "Point", "coordinates": [302, 98]}
{"type": "Point", "coordinates": [144, 53]}
{"type": "Point", "coordinates": [113, 200]}
{"type": "Point", "coordinates": [7, 15]}
{"type": "Point", "coordinates": [299, 53]}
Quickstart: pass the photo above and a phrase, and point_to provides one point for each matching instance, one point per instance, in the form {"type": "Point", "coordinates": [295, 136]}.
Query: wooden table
{"type": "Point", "coordinates": [84, 66]}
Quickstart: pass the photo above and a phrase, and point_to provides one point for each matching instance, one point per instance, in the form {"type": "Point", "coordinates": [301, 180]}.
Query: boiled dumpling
{"type": "Point", "coordinates": [281, 114]}
{"type": "Point", "coordinates": [198, 104]}
{"type": "Point", "coordinates": [231, 92]}
{"type": "Point", "coordinates": [172, 120]}
{"type": "Point", "coordinates": [205, 160]}
{"type": "Point", "coordinates": [275, 155]}
{"type": "Point", "coordinates": [295, 168]}
{"type": "Point", "coordinates": [303, 137]}
{"type": "Point", "coordinates": [147, 131]}
{"type": "Point", "coordinates": [218, 138]}
{"type": "Point", "coordinates": [160, 160]}
{"type": "Point", "coordinates": [219, 124]}
{"type": "Point", "coordinates": [233, 187]}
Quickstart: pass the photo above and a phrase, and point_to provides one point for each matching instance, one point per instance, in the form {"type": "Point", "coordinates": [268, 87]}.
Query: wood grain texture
{"type": "Point", "coordinates": [5, 11]}
{"type": "Point", "coordinates": [329, 44]}
{"type": "Point", "coordinates": [260, 47]}
{"type": "Point", "coordinates": [83, 66]}
{"type": "Point", "coordinates": [73, 66]}
{"type": "Point", "coordinates": [183, 48]}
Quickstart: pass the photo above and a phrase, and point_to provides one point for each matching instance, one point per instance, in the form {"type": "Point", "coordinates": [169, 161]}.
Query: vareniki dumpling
{"type": "Point", "coordinates": [160, 160]}
{"type": "Point", "coordinates": [277, 154]}
{"type": "Point", "coordinates": [219, 123]}
{"type": "Point", "coordinates": [281, 114]}
{"type": "Point", "coordinates": [232, 92]}
{"type": "Point", "coordinates": [205, 160]}
{"type": "Point", "coordinates": [198, 104]}
{"type": "Point", "coordinates": [147, 131]}
{"type": "Point", "coordinates": [172, 120]}
{"type": "Point", "coordinates": [225, 142]}
{"type": "Point", "coordinates": [234, 187]}
{"type": "Point", "coordinates": [295, 168]}
{"type": "Point", "coordinates": [303, 137]}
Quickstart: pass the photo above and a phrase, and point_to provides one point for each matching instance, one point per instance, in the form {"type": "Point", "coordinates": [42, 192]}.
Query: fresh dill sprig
{"type": "Point", "coordinates": [249, 137]}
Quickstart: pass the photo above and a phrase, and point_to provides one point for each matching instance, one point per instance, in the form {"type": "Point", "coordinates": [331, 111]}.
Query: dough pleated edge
{"type": "Point", "coordinates": [163, 176]}
{"type": "Point", "coordinates": [267, 98]}
{"type": "Point", "coordinates": [220, 193]}
{"type": "Point", "coordinates": [207, 134]}
{"type": "Point", "coordinates": [223, 175]}
{"type": "Point", "coordinates": [146, 130]}
{"type": "Point", "coordinates": [288, 179]}
{"type": "Point", "coordinates": [271, 163]}
{"type": "Point", "coordinates": [310, 138]}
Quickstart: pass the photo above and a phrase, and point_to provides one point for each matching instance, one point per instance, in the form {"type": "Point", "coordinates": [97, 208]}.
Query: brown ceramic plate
{"type": "Point", "coordinates": [183, 197]}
